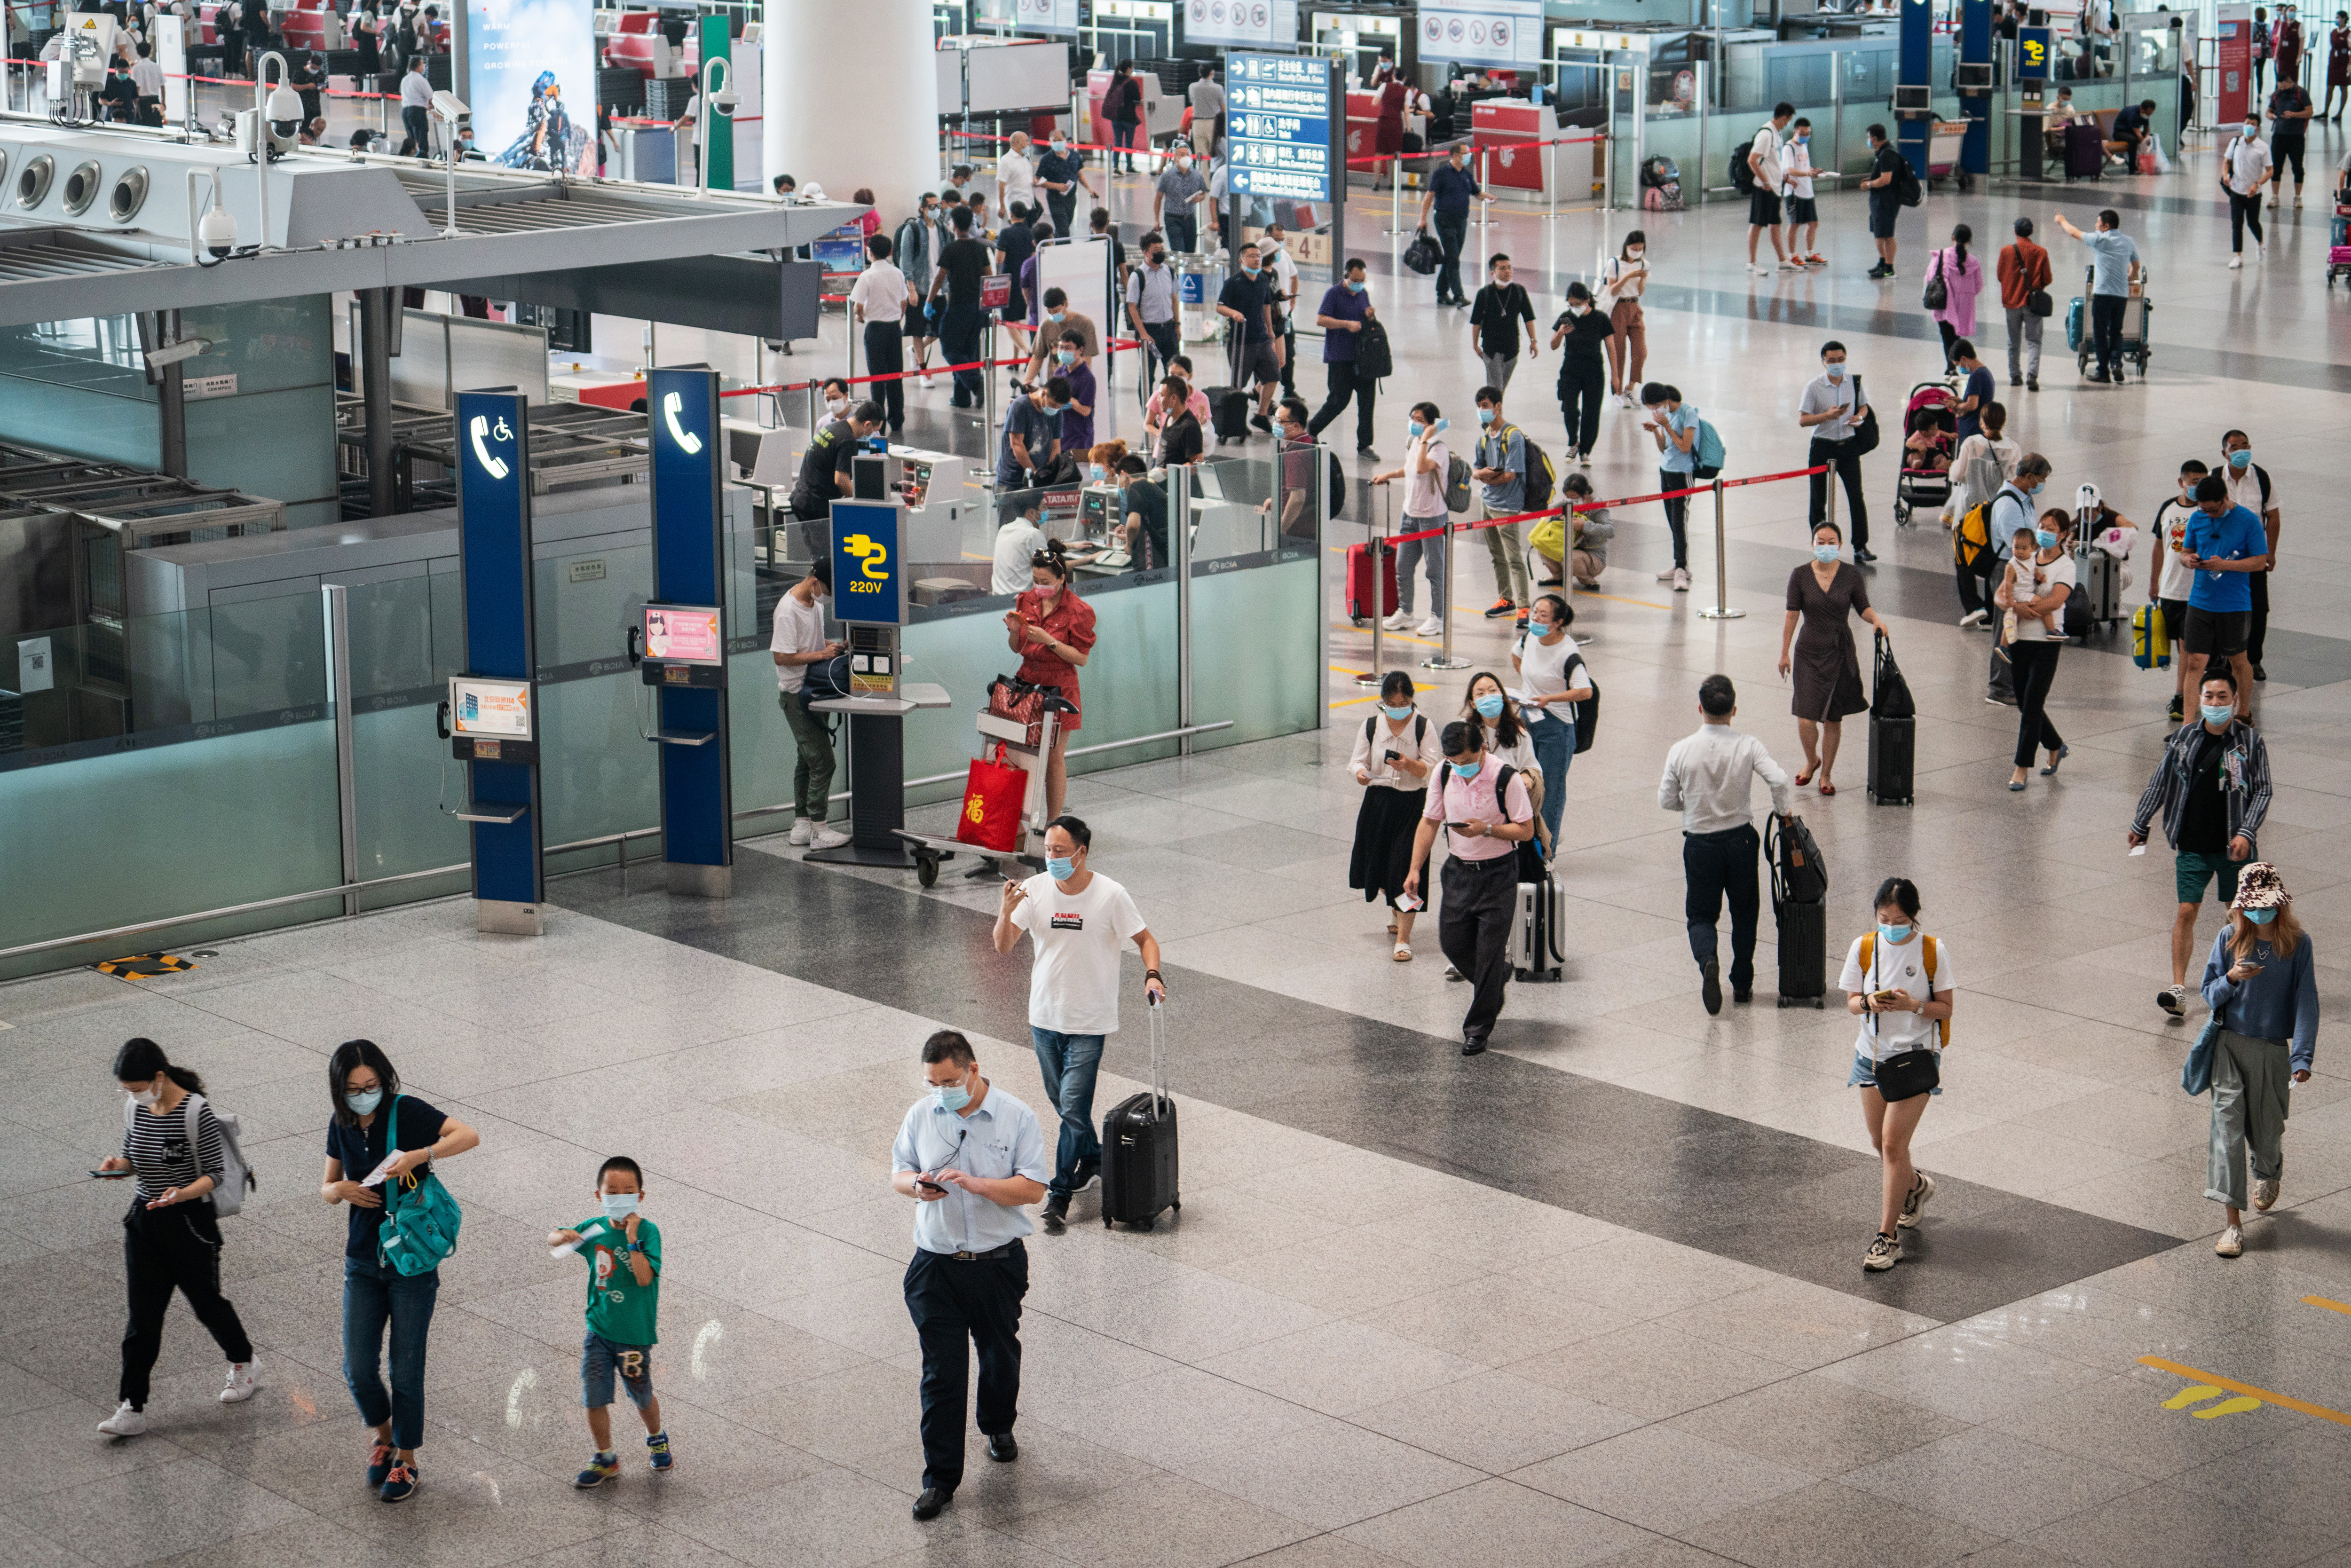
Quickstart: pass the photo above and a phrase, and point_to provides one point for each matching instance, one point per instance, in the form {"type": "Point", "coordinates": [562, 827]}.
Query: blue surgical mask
{"type": "Point", "coordinates": [1485, 416]}
{"type": "Point", "coordinates": [2035, 491]}
{"type": "Point", "coordinates": [1539, 628]}
{"type": "Point", "coordinates": [2044, 539]}
{"type": "Point", "coordinates": [950, 1097]}
{"type": "Point", "coordinates": [1490, 707]}
{"type": "Point", "coordinates": [1061, 869]}
{"type": "Point", "coordinates": [1894, 933]}
{"type": "Point", "coordinates": [2241, 457]}
{"type": "Point", "coordinates": [1416, 427]}
{"type": "Point", "coordinates": [1442, 425]}
{"type": "Point", "coordinates": [1353, 286]}
{"type": "Point", "coordinates": [1067, 356]}
{"type": "Point", "coordinates": [1464, 771]}
{"type": "Point", "coordinates": [1803, 136]}
{"type": "Point", "coordinates": [1060, 147]}
{"type": "Point", "coordinates": [1825, 553]}
{"type": "Point", "coordinates": [1056, 317]}
{"type": "Point", "coordinates": [1836, 371]}
{"type": "Point", "coordinates": [2261, 916]}
{"type": "Point", "coordinates": [365, 1102]}
{"type": "Point", "coordinates": [1397, 714]}
{"type": "Point", "coordinates": [1249, 269]}
{"type": "Point", "coordinates": [2216, 714]}
{"type": "Point", "coordinates": [619, 1206]}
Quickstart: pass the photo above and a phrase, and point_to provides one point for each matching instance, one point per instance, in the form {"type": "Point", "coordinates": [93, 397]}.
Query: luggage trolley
{"type": "Point", "coordinates": [2136, 310]}
{"type": "Point", "coordinates": [1026, 745]}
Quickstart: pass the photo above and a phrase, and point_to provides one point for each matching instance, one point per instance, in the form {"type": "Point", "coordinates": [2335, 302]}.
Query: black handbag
{"type": "Point", "coordinates": [2038, 303]}
{"type": "Point", "coordinates": [1939, 293]}
{"type": "Point", "coordinates": [1424, 255]}
{"type": "Point", "coordinates": [1863, 440]}
{"type": "Point", "coordinates": [1907, 1074]}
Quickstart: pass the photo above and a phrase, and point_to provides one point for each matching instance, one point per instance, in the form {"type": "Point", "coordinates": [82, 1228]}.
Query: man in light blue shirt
{"type": "Point", "coordinates": [2114, 267]}
{"type": "Point", "coordinates": [970, 1156]}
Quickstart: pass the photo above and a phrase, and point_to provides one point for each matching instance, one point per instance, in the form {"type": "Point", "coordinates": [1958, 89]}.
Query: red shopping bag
{"type": "Point", "coordinates": [992, 797]}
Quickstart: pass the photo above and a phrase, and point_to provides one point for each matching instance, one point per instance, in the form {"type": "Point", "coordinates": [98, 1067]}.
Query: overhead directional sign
{"type": "Point", "coordinates": [1277, 125]}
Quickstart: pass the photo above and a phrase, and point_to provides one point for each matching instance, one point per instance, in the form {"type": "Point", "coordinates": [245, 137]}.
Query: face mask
{"type": "Point", "coordinates": [2261, 916]}
{"type": "Point", "coordinates": [1416, 427]}
{"type": "Point", "coordinates": [1836, 372]}
{"type": "Point", "coordinates": [2217, 714]}
{"type": "Point", "coordinates": [149, 1096]}
{"type": "Point", "coordinates": [1067, 356]}
{"type": "Point", "coordinates": [1061, 869]}
{"type": "Point", "coordinates": [1485, 416]}
{"type": "Point", "coordinates": [2252, 129]}
{"type": "Point", "coordinates": [1825, 553]}
{"type": "Point", "coordinates": [1095, 471]}
{"type": "Point", "coordinates": [1894, 933]}
{"type": "Point", "coordinates": [1634, 254]}
{"type": "Point", "coordinates": [2035, 491]}
{"type": "Point", "coordinates": [1048, 589]}
{"type": "Point", "coordinates": [838, 405]}
{"type": "Point", "coordinates": [1464, 771]}
{"type": "Point", "coordinates": [2240, 458]}
{"type": "Point", "coordinates": [1156, 257]}
{"type": "Point", "coordinates": [950, 1097]}
{"type": "Point", "coordinates": [2044, 539]}
{"type": "Point", "coordinates": [619, 1206]}
{"type": "Point", "coordinates": [1056, 317]}
{"type": "Point", "coordinates": [1539, 628]}
{"type": "Point", "coordinates": [1490, 707]}
{"type": "Point", "coordinates": [1251, 271]}
{"type": "Point", "coordinates": [1397, 714]}
{"type": "Point", "coordinates": [363, 1103]}
{"type": "Point", "coordinates": [1060, 147]}
{"type": "Point", "coordinates": [1353, 286]}
{"type": "Point", "coordinates": [1579, 309]}
{"type": "Point", "coordinates": [1183, 164]}
{"type": "Point", "coordinates": [1441, 425]}
{"type": "Point", "coordinates": [1802, 136]}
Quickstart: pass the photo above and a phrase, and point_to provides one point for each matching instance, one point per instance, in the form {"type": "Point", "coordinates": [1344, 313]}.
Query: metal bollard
{"type": "Point", "coordinates": [987, 373]}
{"type": "Point", "coordinates": [1443, 659]}
{"type": "Point", "coordinates": [1721, 610]}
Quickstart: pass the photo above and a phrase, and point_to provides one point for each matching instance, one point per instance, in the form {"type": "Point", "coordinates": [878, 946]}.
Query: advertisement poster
{"type": "Point", "coordinates": [530, 78]}
{"type": "Point", "coordinates": [1483, 32]}
{"type": "Point", "coordinates": [492, 709]}
{"type": "Point", "coordinates": [1264, 23]}
{"type": "Point", "coordinates": [683, 636]}
{"type": "Point", "coordinates": [2233, 56]}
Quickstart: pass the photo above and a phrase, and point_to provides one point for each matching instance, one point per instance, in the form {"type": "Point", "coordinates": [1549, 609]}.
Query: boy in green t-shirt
{"type": "Point", "coordinates": [623, 1252]}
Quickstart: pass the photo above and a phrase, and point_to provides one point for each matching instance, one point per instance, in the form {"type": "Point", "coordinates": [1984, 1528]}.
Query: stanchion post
{"type": "Point", "coordinates": [1444, 659]}
{"type": "Point", "coordinates": [987, 373]}
{"type": "Point", "coordinates": [1829, 485]}
{"type": "Point", "coordinates": [1721, 610]}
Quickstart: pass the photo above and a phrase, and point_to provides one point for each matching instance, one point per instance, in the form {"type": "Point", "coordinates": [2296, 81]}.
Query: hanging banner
{"type": "Point", "coordinates": [2233, 56]}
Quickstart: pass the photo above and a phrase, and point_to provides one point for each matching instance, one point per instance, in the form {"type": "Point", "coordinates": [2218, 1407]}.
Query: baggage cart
{"type": "Point", "coordinates": [2135, 348]}
{"type": "Point", "coordinates": [1022, 751]}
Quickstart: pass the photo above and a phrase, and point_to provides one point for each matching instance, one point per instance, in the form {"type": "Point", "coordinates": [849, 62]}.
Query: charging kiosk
{"type": "Point", "coordinates": [679, 643]}
{"type": "Point", "coordinates": [491, 721]}
{"type": "Point", "coordinates": [871, 580]}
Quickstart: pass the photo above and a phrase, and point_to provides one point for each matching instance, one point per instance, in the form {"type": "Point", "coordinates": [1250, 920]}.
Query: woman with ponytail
{"type": "Point", "coordinates": [1053, 630]}
{"type": "Point", "coordinates": [173, 1148]}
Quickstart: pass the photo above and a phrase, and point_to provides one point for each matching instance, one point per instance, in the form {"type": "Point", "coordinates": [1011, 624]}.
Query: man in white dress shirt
{"type": "Point", "coordinates": [1708, 778]}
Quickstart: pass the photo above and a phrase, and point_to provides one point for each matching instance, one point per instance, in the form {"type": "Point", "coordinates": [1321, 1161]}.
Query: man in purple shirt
{"type": "Point", "coordinates": [1344, 309]}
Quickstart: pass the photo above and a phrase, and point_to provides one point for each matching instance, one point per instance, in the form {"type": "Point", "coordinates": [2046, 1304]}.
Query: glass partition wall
{"type": "Point", "coordinates": [226, 791]}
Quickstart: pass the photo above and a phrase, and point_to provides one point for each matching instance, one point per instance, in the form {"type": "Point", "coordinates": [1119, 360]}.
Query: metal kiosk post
{"type": "Point", "coordinates": [870, 579]}
{"type": "Point", "coordinates": [683, 654]}
{"type": "Point", "coordinates": [491, 716]}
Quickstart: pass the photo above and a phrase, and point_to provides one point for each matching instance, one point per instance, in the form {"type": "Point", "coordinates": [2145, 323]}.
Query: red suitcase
{"type": "Point", "coordinates": [1359, 582]}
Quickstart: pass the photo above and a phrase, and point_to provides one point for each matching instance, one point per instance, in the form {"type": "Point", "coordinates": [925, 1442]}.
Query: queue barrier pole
{"type": "Point", "coordinates": [1721, 610]}
{"type": "Point", "coordinates": [1443, 658]}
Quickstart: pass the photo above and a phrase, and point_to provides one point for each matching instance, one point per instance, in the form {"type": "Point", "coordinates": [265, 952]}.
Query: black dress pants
{"type": "Point", "coordinates": [1473, 929]}
{"type": "Point", "coordinates": [1715, 866]}
{"type": "Point", "coordinates": [1847, 463]}
{"type": "Point", "coordinates": [167, 1250]}
{"type": "Point", "coordinates": [886, 353]}
{"type": "Point", "coordinates": [1583, 385]}
{"type": "Point", "coordinates": [957, 1304]}
{"type": "Point", "coordinates": [2261, 622]}
{"type": "Point", "coordinates": [1344, 384]}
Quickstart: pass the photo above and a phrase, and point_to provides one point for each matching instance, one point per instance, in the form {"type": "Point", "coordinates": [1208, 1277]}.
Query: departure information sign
{"type": "Point", "coordinates": [1277, 125]}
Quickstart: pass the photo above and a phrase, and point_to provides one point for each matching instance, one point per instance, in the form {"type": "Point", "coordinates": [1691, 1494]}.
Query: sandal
{"type": "Point", "coordinates": [1806, 777]}
{"type": "Point", "coordinates": [1828, 790]}
{"type": "Point", "coordinates": [1403, 953]}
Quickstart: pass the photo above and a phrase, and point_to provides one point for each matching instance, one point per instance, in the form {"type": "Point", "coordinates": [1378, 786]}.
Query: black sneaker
{"type": "Point", "coordinates": [2033, 384]}
{"type": "Point", "coordinates": [1367, 452]}
{"type": "Point", "coordinates": [1743, 998]}
{"type": "Point", "coordinates": [1862, 556]}
{"type": "Point", "coordinates": [1710, 985]}
{"type": "Point", "coordinates": [2260, 673]}
{"type": "Point", "coordinates": [2174, 712]}
{"type": "Point", "coordinates": [1260, 421]}
{"type": "Point", "coordinates": [1057, 1213]}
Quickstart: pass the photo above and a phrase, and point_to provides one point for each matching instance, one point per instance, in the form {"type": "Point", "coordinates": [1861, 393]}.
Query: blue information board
{"type": "Point", "coordinates": [1278, 126]}
{"type": "Point", "coordinates": [869, 580]}
{"type": "Point", "coordinates": [696, 798]}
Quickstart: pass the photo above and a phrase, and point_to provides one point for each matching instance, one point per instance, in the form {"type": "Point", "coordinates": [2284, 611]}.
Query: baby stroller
{"type": "Point", "coordinates": [1661, 185]}
{"type": "Point", "coordinates": [1930, 435]}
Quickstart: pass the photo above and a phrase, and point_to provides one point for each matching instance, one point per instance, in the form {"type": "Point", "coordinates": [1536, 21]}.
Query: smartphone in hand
{"type": "Point", "coordinates": [110, 1176]}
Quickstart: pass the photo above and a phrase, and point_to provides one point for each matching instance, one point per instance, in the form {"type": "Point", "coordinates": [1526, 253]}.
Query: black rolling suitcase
{"type": "Point", "coordinates": [1892, 733]}
{"type": "Point", "coordinates": [1228, 412]}
{"type": "Point", "coordinates": [1138, 1139]}
{"type": "Point", "coordinates": [1799, 886]}
{"type": "Point", "coordinates": [2085, 151]}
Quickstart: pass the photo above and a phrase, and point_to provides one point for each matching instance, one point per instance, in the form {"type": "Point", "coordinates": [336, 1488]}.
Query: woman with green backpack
{"type": "Point", "coordinates": [380, 1146]}
{"type": "Point", "coordinates": [1690, 453]}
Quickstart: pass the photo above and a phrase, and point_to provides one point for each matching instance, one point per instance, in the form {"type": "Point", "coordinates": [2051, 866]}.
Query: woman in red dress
{"type": "Point", "coordinates": [2338, 66]}
{"type": "Point", "coordinates": [1389, 140]}
{"type": "Point", "coordinates": [1053, 630]}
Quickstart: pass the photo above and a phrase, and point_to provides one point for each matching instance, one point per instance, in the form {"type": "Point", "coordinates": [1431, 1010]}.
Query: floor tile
{"type": "Point", "coordinates": [1496, 1522]}
{"type": "Point", "coordinates": [1663, 1480]}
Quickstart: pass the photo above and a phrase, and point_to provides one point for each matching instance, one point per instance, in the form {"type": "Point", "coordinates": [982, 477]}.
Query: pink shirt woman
{"type": "Point", "coordinates": [1962, 273]}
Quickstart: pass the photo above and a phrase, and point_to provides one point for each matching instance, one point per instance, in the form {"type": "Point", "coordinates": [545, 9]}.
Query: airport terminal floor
{"type": "Point", "coordinates": [1594, 1296]}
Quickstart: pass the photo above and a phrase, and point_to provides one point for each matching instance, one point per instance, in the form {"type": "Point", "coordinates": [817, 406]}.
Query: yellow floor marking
{"type": "Point", "coordinates": [2190, 1395]}
{"type": "Point", "coordinates": [1390, 636]}
{"type": "Point", "coordinates": [2288, 1401]}
{"type": "Point", "coordinates": [2236, 1407]}
{"type": "Point", "coordinates": [2330, 1306]}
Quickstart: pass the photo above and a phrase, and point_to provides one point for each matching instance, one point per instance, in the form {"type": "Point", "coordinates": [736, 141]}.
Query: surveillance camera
{"type": "Point", "coordinates": [449, 106]}
{"type": "Point", "coordinates": [217, 233]}
{"type": "Point", "coordinates": [726, 98]}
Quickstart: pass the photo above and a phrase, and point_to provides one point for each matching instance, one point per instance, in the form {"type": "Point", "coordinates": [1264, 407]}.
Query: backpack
{"type": "Point", "coordinates": [1869, 954]}
{"type": "Point", "coordinates": [1742, 172]}
{"type": "Point", "coordinates": [236, 1177]}
{"type": "Point", "coordinates": [1374, 358]}
{"type": "Point", "coordinates": [1707, 450]}
{"type": "Point", "coordinates": [1972, 538]}
{"type": "Point", "coordinates": [1588, 712]}
{"type": "Point", "coordinates": [827, 680]}
{"type": "Point", "coordinates": [1335, 486]}
{"type": "Point", "coordinates": [1419, 731]}
{"type": "Point", "coordinates": [1540, 478]}
{"type": "Point", "coordinates": [1531, 860]}
{"type": "Point", "coordinates": [1905, 186]}
{"type": "Point", "coordinates": [1457, 482]}
{"type": "Point", "coordinates": [419, 1217]}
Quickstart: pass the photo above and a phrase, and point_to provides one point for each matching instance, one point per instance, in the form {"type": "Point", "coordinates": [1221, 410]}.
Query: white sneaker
{"type": "Point", "coordinates": [1398, 622]}
{"type": "Point", "coordinates": [1974, 618]}
{"type": "Point", "coordinates": [125, 1422]}
{"type": "Point", "coordinates": [1681, 580]}
{"type": "Point", "coordinates": [2235, 262]}
{"type": "Point", "coordinates": [1432, 627]}
{"type": "Point", "coordinates": [1791, 266]}
{"type": "Point", "coordinates": [803, 830]}
{"type": "Point", "coordinates": [1667, 575]}
{"type": "Point", "coordinates": [2173, 1000]}
{"type": "Point", "coordinates": [240, 1384]}
{"type": "Point", "coordinates": [1915, 1202]}
{"type": "Point", "coordinates": [828, 838]}
{"type": "Point", "coordinates": [1758, 269]}
{"type": "Point", "coordinates": [1885, 1252]}
{"type": "Point", "coordinates": [2265, 1195]}
{"type": "Point", "coordinates": [2231, 1245]}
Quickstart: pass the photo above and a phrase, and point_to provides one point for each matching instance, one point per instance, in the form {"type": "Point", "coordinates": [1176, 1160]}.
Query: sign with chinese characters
{"type": "Point", "coordinates": [1279, 113]}
{"type": "Point", "coordinates": [499, 709]}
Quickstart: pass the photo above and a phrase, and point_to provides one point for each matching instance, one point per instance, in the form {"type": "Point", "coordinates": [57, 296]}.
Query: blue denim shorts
{"type": "Point", "coordinates": [601, 1360]}
{"type": "Point", "coordinates": [1864, 1074]}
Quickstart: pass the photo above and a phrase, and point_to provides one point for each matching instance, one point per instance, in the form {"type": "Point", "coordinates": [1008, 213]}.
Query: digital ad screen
{"type": "Point", "coordinates": [684, 635]}
{"type": "Point", "coordinates": [487, 709]}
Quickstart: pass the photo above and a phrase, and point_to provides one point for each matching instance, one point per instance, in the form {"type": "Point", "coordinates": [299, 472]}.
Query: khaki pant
{"type": "Point", "coordinates": [1506, 543]}
{"type": "Point", "coordinates": [2250, 1081]}
{"type": "Point", "coordinates": [1586, 566]}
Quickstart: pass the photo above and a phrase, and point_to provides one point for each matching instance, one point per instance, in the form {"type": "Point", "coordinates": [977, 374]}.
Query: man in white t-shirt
{"type": "Point", "coordinates": [1796, 169]}
{"type": "Point", "coordinates": [877, 299]}
{"type": "Point", "coordinates": [2244, 170]}
{"type": "Point", "coordinates": [2172, 575]}
{"type": "Point", "coordinates": [1016, 178]}
{"type": "Point", "coordinates": [1018, 537]}
{"type": "Point", "coordinates": [799, 641]}
{"type": "Point", "coordinates": [1763, 198]}
{"type": "Point", "coordinates": [1078, 923]}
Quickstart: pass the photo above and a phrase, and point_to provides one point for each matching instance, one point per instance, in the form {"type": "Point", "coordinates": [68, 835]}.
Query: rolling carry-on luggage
{"type": "Point", "coordinates": [1893, 732]}
{"type": "Point", "coordinates": [1229, 411]}
{"type": "Point", "coordinates": [1797, 869]}
{"type": "Point", "coordinates": [2085, 151]}
{"type": "Point", "coordinates": [1360, 597]}
{"type": "Point", "coordinates": [1799, 883]}
{"type": "Point", "coordinates": [2075, 326]}
{"type": "Point", "coordinates": [1138, 1139]}
{"type": "Point", "coordinates": [1535, 952]}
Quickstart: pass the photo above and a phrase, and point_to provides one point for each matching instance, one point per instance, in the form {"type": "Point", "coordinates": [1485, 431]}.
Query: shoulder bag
{"type": "Point", "coordinates": [419, 1216]}
{"type": "Point", "coordinates": [1907, 1075]}
{"type": "Point", "coordinates": [1865, 438]}
{"type": "Point", "coordinates": [1939, 293]}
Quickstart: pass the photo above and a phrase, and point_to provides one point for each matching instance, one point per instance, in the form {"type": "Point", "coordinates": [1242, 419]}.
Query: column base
{"type": "Point", "coordinates": [699, 880]}
{"type": "Point", "coordinates": [505, 918]}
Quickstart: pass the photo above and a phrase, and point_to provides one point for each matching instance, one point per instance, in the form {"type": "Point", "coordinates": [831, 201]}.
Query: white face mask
{"type": "Point", "coordinates": [149, 1096]}
{"type": "Point", "coordinates": [838, 405]}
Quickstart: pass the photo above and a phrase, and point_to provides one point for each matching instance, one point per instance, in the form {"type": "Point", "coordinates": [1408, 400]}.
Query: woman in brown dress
{"type": "Point", "coordinates": [1821, 594]}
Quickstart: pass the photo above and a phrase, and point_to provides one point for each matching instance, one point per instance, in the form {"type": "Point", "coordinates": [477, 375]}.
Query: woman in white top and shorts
{"type": "Point", "coordinates": [1898, 981]}
{"type": "Point", "coordinates": [2034, 654]}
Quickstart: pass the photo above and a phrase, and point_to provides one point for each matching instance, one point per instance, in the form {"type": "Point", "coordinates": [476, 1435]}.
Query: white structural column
{"type": "Point", "coordinates": [851, 99]}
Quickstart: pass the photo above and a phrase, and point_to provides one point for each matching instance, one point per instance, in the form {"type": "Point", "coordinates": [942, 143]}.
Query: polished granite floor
{"type": "Point", "coordinates": [1594, 1297]}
